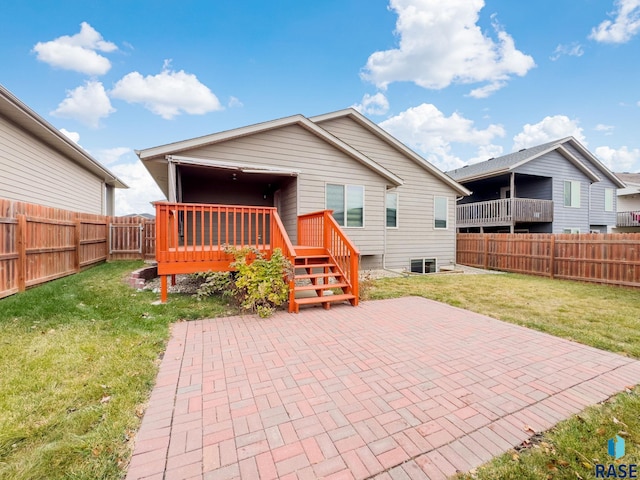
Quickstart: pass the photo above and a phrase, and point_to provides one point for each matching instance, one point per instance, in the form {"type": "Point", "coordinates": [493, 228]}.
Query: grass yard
{"type": "Point", "coordinates": [78, 358]}
{"type": "Point", "coordinates": [601, 316]}
{"type": "Point", "coordinates": [79, 355]}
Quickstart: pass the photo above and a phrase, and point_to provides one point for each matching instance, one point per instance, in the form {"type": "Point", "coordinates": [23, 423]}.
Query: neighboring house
{"type": "Point", "coordinates": [557, 187]}
{"type": "Point", "coordinates": [397, 208]}
{"type": "Point", "coordinates": [629, 203]}
{"type": "Point", "coordinates": [38, 164]}
{"type": "Point", "coordinates": [142, 216]}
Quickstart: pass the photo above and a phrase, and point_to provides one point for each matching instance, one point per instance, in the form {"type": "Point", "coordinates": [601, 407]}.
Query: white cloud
{"type": "Point", "coordinates": [607, 129]}
{"type": "Point", "coordinates": [235, 102]}
{"type": "Point", "coordinates": [572, 50]}
{"type": "Point", "coordinates": [87, 104]}
{"type": "Point", "coordinates": [440, 43]}
{"type": "Point", "coordinates": [168, 93]}
{"type": "Point", "coordinates": [141, 192]}
{"type": "Point", "coordinates": [428, 130]}
{"type": "Point", "coordinates": [373, 104]}
{"type": "Point", "coordinates": [73, 136]}
{"type": "Point", "coordinates": [624, 26]}
{"type": "Point", "coordinates": [111, 155]}
{"type": "Point", "coordinates": [485, 152]}
{"type": "Point", "coordinates": [621, 159]}
{"type": "Point", "coordinates": [487, 90]}
{"type": "Point", "coordinates": [77, 52]}
{"type": "Point", "coordinates": [547, 130]}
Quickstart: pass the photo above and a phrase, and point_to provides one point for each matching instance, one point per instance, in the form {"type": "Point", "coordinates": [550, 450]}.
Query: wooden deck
{"type": "Point", "coordinates": [504, 212]}
{"type": "Point", "coordinates": [193, 238]}
{"type": "Point", "coordinates": [628, 219]}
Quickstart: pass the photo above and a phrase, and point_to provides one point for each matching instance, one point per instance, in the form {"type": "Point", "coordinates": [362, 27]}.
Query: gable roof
{"type": "Point", "coordinates": [393, 142]}
{"type": "Point", "coordinates": [176, 147]}
{"type": "Point", "coordinates": [28, 120]}
{"type": "Point", "coordinates": [508, 163]}
{"type": "Point", "coordinates": [629, 177]}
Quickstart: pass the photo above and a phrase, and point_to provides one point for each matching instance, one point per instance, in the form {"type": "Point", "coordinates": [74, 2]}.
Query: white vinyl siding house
{"type": "Point", "coordinates": [339, 161]}
{"type": "Point", "coordinates": [38, 164]}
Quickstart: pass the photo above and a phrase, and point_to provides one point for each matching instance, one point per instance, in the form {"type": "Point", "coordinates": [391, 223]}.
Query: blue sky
{"type": "Point", "coordinates": [458, 81]}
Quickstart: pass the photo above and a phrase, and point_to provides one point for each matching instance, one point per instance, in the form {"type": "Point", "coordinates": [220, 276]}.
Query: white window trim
{"type": "Point", "coordinates": [446, 210]}
{"type": "Point", "coordinates": [572, 230]}
{"type": "Point", "coordinates": [435, 261]}
{"type": "Point", "coordinates": [364, 203]}
{"type": "Point", "coordinates": [611, 192]}
{"type": "Point", "coordinates": [397, 209]}
{"type": "Point", "coordinates": [564, 186]}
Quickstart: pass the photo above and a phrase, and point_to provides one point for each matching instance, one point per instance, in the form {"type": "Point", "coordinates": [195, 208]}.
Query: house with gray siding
{"type": "Point", "coordinates": [628, 203]}
{"type": "Point", "coordinates": [396, 207]}
{"type": "Point", "coordinates": [556, 187]}
{"type": "Point", "coordinates": [38, 164]}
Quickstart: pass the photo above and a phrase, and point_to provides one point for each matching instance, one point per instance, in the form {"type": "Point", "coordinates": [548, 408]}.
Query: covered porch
{"type": "Point", "coordinates": [192, 237]}
{"type": "Point", "coordinates": [507, 212]}
{"type": "Point", "coordinates": [511, 202]}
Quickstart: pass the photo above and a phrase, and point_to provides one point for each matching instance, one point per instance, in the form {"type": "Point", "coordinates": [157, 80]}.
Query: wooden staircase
{"type": "Point", "coordinates": [317, 277]}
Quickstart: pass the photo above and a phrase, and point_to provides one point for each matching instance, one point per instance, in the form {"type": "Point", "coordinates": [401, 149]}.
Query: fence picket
{"type": "Point", "coordinates": [38, 243]}
{"type": "Point", "coordinates": [601, 258]}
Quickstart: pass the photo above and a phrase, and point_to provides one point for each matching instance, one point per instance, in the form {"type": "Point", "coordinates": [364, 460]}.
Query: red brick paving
{"type": "Point", "coordinates": [404, 388]}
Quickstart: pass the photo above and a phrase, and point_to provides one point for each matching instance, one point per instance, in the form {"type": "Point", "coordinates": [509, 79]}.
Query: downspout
{"type": "Point", "coordinates": [384, 236]}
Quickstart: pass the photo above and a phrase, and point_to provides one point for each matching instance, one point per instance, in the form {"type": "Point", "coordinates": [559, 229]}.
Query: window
{"type": "Point", "coordinates": [423, 265]}
{"type": "Point", "coordinates": [347, 203]}
{"type": "Point", "coordinates": [572, 193]}
{"type": "Point", "coordinates": [608, 199]}
{"type": "Point", "coordinates": [440, 207]}
{"type": "Point", "coordinates": [571, 230]}
{"type": "Point", "coordinates": [392, 210]}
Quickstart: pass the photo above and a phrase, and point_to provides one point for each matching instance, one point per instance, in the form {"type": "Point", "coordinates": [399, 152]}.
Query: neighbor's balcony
{"type": "Point", "coordinates": [628, 219]}
{"type": "Point", "coordinates": [505, 211]}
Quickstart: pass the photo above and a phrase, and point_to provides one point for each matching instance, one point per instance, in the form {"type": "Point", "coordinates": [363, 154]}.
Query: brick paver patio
{"type": "Point", "coordinates": [404, 388]}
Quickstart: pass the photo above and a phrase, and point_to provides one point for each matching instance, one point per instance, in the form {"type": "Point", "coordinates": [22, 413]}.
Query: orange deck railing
{"type": "Point", "coordinates": [192, 237]}
{"type": "Point", "coordinates": [319, 229]}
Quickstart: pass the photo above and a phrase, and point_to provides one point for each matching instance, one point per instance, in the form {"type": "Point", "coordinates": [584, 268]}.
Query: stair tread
{"type": "Point", "coordinates": [318, 275]}
{"type": "Point", "coordinates": [328, 298]}
{"type": "Point", "coordinates": [315, 265]}
{"type": "Point", "coordinates": [310, 257]}
{"type": "Point", "coordinates": [322, 286]}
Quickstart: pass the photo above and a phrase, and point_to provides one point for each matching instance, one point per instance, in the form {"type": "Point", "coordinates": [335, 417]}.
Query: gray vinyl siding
{"type": "Point", "coordinates": [554, 163]}
{"type": "Point", "coordinates": [415, 236]}
{"type": "Point", "coordinates": [32, 172]}
{"type": "Point", "coordinates": [528, 186]}
{"type": "Point", "coordinates": [598, 215]}
{"type": "Point", "coordinates": [319, 163]}
{"type": "Point", "coordinates": [289, 209]}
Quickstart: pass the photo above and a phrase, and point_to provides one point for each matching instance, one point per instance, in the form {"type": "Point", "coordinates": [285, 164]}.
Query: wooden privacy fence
{"type": "Point", "coordinates": [601, 258]}
{"type": "Point", "coordinates": [39, 244]}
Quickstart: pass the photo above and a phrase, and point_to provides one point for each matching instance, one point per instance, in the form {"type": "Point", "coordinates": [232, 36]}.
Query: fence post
{"type": "Point", "coordinates": [552, 256]}
{"type": "Point", "coordinates": [77, 234]}
{"type": "Point", "coordinates": [108, 222]}
{"type": "Point", "coordinates": [143, 238]}
{"type": "Point", "coordinates": [21, 241]}
{"type": "Point", "coordinates": [486, 252]}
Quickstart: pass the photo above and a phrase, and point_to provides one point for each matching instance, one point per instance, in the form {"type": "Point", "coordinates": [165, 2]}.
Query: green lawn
{"type": "Point", "coordinates": [79, 357]}
{"type": "Point", "coordinates": [602, 316]}
{"type": "Point", "coordinates": [77, 362]}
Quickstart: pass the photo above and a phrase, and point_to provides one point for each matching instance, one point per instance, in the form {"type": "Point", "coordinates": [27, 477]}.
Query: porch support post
{"type": "Point", "coordinates": [171, 166]}
{"type": "Point", "coordinates": [163, 289]}
{"type": "Point", "coordinates": [512, 187]}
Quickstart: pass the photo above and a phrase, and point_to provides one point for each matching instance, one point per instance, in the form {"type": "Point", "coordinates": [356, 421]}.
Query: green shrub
{"type": "Point", "coordinates": [258, 284]}
{"type": "Point", "coordinates": [214, 283]}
